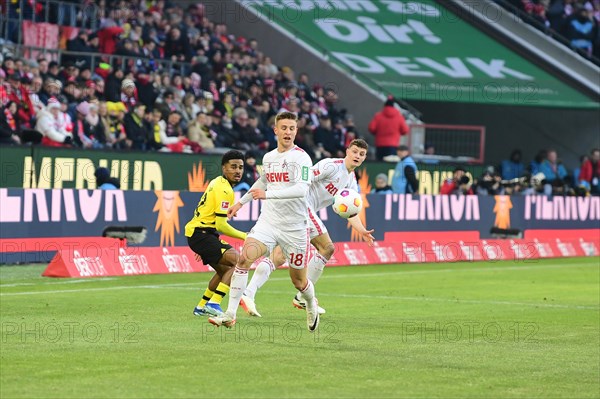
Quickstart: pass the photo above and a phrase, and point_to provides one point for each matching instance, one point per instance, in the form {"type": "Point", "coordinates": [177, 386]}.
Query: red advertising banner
{"type": "Point", "coordinates": [431, 247]}
{"type": "Point", "coordinates": [123, 262]}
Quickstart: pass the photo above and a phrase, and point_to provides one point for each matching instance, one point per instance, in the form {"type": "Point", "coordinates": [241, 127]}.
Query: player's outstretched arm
{"type": "Point", "coordinates": [225, 228]}
{"type": "Point", "coordinates": [260, 184]}
{"type": "Point", "coordinates": [367, 235]}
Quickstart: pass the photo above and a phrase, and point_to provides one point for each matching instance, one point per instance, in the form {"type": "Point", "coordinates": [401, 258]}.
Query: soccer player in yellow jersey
{"type": "Point", "coordinates": [202, 232]}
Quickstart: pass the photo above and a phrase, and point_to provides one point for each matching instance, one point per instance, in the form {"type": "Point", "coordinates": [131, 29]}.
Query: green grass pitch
{"type": "Point", "coordinates": [503, 329]}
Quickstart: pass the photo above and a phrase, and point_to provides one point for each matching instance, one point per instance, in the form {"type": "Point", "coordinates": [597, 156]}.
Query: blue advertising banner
{"type": "Point", "coordinates": [42, 213]}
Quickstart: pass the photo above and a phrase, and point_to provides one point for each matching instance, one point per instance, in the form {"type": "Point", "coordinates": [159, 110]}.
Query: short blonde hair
{"type": "Point", "coordinates": [286, 115]}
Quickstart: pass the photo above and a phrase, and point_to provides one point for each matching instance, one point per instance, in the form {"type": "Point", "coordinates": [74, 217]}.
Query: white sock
{"type": "Point", "coordinates": [261, 274]}
{"type": "Point", "coordinates": [239, 279]}
{"type": "Point", "coordinates": [315, 267]}
{"type": "Point", "coordinates": [308, 295]}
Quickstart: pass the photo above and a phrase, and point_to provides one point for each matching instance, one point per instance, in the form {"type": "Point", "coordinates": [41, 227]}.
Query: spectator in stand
{"type": "Point", "coordinates": [43, 68]}
{"type": "Point", "coordinates": [109, 37]}
{"type": "Point", "coordinates": [304, 136]}
{"type": "Point", "coordinates": [200, 133]}
{"type": "Point", "coordinates": [250, 173]}
{"type": "Point", "coordinates": [536, 165]}
{"type": "Point", "coordinates": [381, 184]}
{"type": "Point", "coordinates": [554, 171]}
{"type": "Point", "coordinates": [113, 85]}
{"type": "Point", "coordinates": [9, 128]}
{"type": "Point", "coordinates": [104, 181]}
{"type": "Point", "coordinates": [148, 121]}
{"type": "Point", "coordinates": [172, 135]}
{"type": "Point", "coordinates": [81, 128]}
{"type": "Point", "coordinates": [405, 174]}
{"type": "Point", "coordinates": [259, 139]}
{"type": "Point", "coordinates": [177, 46]}
{"type": "Point", "coordinates": [227, 105]}
{"type": "Point", "coordinates": [331, 98]}
{"type": "Point", "coordinates": [582, 30]}
{"type": "Point", "coordinates": [388, 126]}
{"type": "Point", "coordinates": [458, 184]}
{"type": "Point", "coordinates": [146, 91]}
{"type": "Point", "coordinates": [51, 126]}
{"type": "Point", "coordinates": [590, 172]}
{"type": "Point", "coordinates": [489, 183]}
{"type": "Point", "coordinates": [52, 88]}
{"type": "Point", "coordinates": [80, 45]}
{"type": "Point", "coordinates": [328, 140]}
{"type": "Point", "coordinates": [89, 91]}
{"type": "Point", "coordinates": [129, 95]}
{"type": "Point", "coordinates": [34, 93]}
{"type": "Point", "coordinates": [96, 127]}
{"type": "Point", "coordinates": [116, 131]}
{"type": "Point", "coordinates": [54, 70]}
{"type": "Point", "coordinates": [249, 138]}
{"type": "Point", "coordinates": [135, 128]}
{"type": "Point", "coordinates": [104, 120]}
{"type": "Point", "coordinates": [19, 94]}
{"type": "Point", "coordinates": [98, 85]}
{"type": "Point", "coordinates": [3, 90]}
{"type": "Point", "coordinates": [226, 136]}
{"type": "Point", "coordinates": [512, 168]}
{"type": "Point", "coordinates": [188, 110]}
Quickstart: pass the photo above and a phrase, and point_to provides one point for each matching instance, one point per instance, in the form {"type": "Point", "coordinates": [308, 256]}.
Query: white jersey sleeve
{"type": "Point", "coordinates": [330, 175]}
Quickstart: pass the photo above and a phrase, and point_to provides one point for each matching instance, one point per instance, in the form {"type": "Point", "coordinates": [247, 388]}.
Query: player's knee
{"type": "Point", "coordinates": [299, 284]}
{"type": "Point", "coordinates": [327, 251]}
{"type": "Point", "coordinates": [279, 260]}
{"type": "Point", "coordinates": [244, 263]}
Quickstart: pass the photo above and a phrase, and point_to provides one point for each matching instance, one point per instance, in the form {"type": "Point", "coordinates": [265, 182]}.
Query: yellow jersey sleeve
{"type": "Point", "coordinates": [223, 197]}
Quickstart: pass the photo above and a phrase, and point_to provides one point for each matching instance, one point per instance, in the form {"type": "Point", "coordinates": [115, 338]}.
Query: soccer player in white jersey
{"type": "Point", "coordinates": [282, 221]}
{"type": "Point", "coordinates": [330, 175]}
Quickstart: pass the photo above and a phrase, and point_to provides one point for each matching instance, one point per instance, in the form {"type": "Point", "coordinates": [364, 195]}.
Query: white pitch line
{"type": "Point", "coordinates": [479, 269]}
{"type": "Point", "coordinates": [427, 299]}
{"type": "Point", "coordinates": [457, 301]}
{"type": "Point", "coordinates": [122, 287]}
{"type": "Point", "coordinates": [72, 281]}
{"type": "Point", "coordinates": [398, 272]}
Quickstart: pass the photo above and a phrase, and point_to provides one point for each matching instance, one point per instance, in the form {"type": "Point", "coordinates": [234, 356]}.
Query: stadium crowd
{"type": "Point", "coordinates": [545, 174]}
{"type": "Point", "coordinates": [226, 97]}
{"type": "Point", "coordinates": [576, 20]}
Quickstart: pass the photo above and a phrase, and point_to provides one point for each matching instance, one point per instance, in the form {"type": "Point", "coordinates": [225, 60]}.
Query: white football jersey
{"type": "Point", "coordinates": [282, 170]}
{"type": "Point", "coordinates": [329, 176]}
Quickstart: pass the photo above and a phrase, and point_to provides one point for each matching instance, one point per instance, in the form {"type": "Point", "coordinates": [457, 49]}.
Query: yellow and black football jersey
{"type": "Point", "coordinates": [215, 202]}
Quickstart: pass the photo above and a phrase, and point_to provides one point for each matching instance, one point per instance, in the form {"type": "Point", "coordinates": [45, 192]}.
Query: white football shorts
{"type": "Point", "coordinates": [294, 242]}
{"type": "Point", "coordinates": [315, 224]}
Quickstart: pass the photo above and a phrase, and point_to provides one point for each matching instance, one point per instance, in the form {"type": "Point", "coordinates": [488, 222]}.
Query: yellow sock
{"type": "Point", "coordinates": [220, 292]}
{"type": "Point", "coordinates": [208, 294]}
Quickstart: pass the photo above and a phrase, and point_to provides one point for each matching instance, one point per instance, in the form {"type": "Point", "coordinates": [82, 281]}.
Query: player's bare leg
{"type": "Point", "coordinates": [325, 250]}
{"type": "Point", "coordinates": [252, 250]}
{"type": "Point", "coordinates": [316, 264]}
{"type": "Point", "coordinates": [263, 270]}
{"type": "Point", "coordinates": [218, 286]}
{"type": "Point", "coordinates": [307, 293]}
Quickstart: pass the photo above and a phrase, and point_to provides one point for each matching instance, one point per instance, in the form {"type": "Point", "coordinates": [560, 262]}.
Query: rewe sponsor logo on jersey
{"type": "Point", "coordinates": [273, 177]}
{"type": "Point", "coordinates": [331, 189]}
